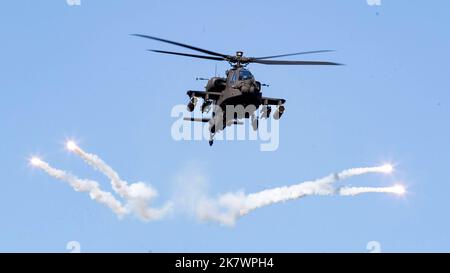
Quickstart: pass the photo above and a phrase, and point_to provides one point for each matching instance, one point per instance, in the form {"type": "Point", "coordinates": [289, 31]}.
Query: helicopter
{"type": "Point", "coordinates": [239, 94]}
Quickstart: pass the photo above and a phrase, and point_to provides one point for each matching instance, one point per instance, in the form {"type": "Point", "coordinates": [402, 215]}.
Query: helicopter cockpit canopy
{"type": "Point", "coordinates": [244, 74]}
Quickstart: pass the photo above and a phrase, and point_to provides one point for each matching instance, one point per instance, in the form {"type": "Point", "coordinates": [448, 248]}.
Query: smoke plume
{"type": "Point", "coordinates": [82, 185]}
{"type": "Point", "coordinates": [138, 195]}
{"type": "Point", "coordinates": [227, 208]}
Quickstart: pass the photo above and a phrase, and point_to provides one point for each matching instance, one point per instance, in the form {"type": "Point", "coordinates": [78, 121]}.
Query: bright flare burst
{"type": "Point", "coordinates": [71, 145]}
{"type": "Point", "coordinates": [35, 161]}
{"type": "Point", "coordinates": [398, 189]}
{"type": "Point", "coordinates": [387, 168]}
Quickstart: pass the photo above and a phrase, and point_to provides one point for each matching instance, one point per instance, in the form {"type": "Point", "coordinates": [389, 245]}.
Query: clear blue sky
{"type": "Point", "coordinates": [73, 71]}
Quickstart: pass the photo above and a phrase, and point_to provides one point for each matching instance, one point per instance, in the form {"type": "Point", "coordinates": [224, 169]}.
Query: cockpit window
{"type": "Point", "coordinates": [245, 75]}
{"type": "Point", "coordinates": [233, 78]}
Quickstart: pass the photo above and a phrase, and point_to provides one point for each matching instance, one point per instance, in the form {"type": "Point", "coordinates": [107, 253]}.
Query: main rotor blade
{"type": "Point", "coordinates": [291, 54]}
{"type": "Point", "coordinates": [293, 62]}
{"type": "Point", "coordinates": [188, 55]}
{"type": "Point", "coordinates": [182, 45]}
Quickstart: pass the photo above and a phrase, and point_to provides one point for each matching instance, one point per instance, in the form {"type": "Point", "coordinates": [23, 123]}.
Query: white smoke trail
{"type": "Point", "coordinates": [225, 209]}
{"type": "Point", "coordinates": [350, 191]}
{"type": "Point", "coordinates": [137, 194]}
{"type": "Point", "coordinates": [82, 185]}
{"type": "Point", "coordinates": [387, 168]}
{"type": "Point", "coordinates": [230, 206]}
{"type": "Point", "coordinates": [118, 185]}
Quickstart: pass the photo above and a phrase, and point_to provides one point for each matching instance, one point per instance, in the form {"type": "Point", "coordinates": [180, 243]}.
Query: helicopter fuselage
{"type": "Point", "coordinates": [234, 97]}
{"type": "Point", "coordinates": [239, 88]}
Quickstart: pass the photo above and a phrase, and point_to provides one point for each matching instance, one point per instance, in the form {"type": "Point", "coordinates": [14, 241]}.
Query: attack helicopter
{"type": "Point", "coordinates": [237, 95]}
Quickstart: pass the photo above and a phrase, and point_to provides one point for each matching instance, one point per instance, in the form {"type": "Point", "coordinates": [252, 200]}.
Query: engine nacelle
{"type": "Point", "coordinates": [216, 84]}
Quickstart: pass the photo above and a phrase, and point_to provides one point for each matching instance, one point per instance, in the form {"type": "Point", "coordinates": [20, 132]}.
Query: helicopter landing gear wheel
{"type": "Point", "coordinates": [211, 139]}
